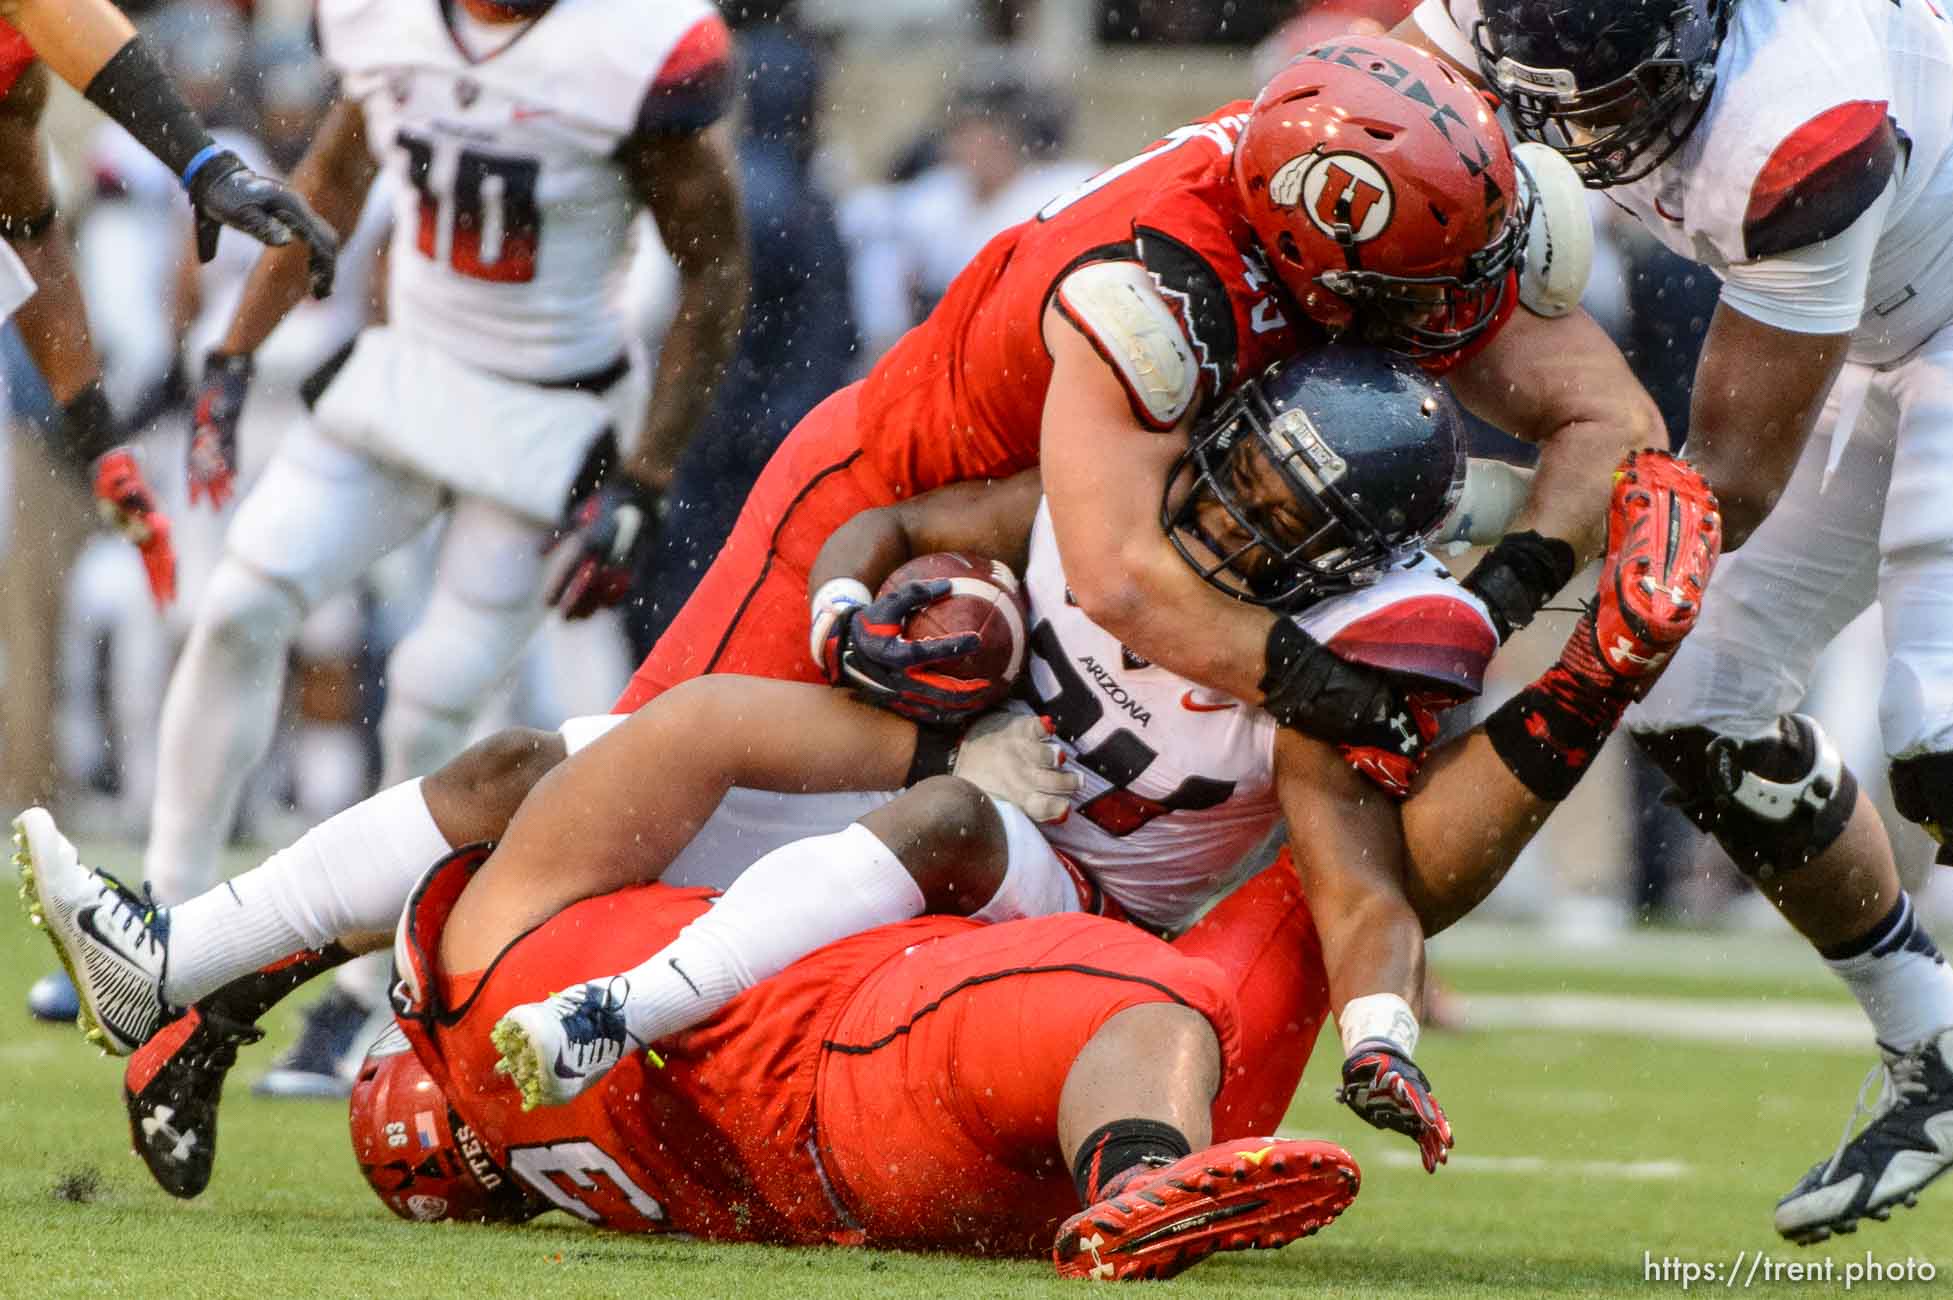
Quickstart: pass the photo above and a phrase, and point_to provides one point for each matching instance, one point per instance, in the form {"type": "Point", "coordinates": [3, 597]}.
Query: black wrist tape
{"type": "Point", "coordinates": [88, 426]}
{"type": "Point", "coordinates": [133, 89]}
{"type": "Point", "coordinates": [1545, 746]}
{"type": "Point", "coordinates": [27, 230]}
{"type": "Point", "coordinates": [1518, 576]}
{"type": "Point", "coordinates": [935, 753]}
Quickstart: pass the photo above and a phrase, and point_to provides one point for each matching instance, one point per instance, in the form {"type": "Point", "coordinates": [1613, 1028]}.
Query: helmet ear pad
{"type": "Point", "coordinates": [1367, 166]}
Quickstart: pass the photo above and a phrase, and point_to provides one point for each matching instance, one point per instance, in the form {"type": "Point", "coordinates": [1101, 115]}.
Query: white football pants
{"type": "Point", "coordinates": [318, 518]}
{"type": "Point", "coordinates": [1877, 525]}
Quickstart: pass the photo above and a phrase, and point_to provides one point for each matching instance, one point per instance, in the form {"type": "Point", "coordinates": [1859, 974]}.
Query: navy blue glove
{"type": "Point", "coordinates": [1386, 1088]}
{"type": "Point", "coordinates": [866, 648]}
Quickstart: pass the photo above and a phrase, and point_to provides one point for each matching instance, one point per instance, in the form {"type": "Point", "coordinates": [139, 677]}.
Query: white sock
{"type": "Point", "coordinates": [350, 874]}
{"type": "Point", "coordinates": [795, 899]}
{"type": "Point", "coordinates": [1901, 980]}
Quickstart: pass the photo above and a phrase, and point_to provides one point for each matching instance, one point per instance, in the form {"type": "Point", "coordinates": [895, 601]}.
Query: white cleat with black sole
{"type": "Point", "coordinates": [109, 937]}
{"type": "Point", "coordinates": [556, 1048]}
{"type": "Point", "coordinates": [1907, 1144]}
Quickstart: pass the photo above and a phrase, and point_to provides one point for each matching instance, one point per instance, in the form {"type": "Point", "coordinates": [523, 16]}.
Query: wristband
{"type": "Point", "coordinates": [935, 753]}
{"type": "Point", "coordinates": [133, 89]}
{"type": "Point", "coordinates": [835, 597]}
{"type": "Point", "coordinates": [88, 426]}
{"type": "Point", "coordinates": [195, 165]}
{"type": "Point", "coordinates": [1378, 1017]}
{"type": "Point", "coordinates": [1519, 575]}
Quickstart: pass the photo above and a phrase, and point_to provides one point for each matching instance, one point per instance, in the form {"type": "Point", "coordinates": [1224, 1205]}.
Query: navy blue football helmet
{"type": "Point", "coordinates": [1614, 85]}
{"type": "Point", "coordinates": [1316, 476]}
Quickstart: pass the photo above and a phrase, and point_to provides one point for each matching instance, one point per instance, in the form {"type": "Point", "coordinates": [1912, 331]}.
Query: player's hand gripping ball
{"type": "Point", "coordinates": [942, 641]}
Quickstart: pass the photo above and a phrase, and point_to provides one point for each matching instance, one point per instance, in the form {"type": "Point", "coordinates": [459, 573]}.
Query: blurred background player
{"type": "Point", "coordinates": [798, 341]}
{"type": "Point", "coordinates": [498, 393]}
{"type": "Point", "coordinates": [94, 48]}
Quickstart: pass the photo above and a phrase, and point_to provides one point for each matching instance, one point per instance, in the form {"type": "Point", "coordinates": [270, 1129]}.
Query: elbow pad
{"type": "Point", "coordinates": [1560, 232]}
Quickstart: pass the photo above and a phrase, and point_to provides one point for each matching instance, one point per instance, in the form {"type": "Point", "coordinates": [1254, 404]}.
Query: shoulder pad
{"type": "Point", "coordinates": [1196, 290]}
{"type": "Point", "coordinates": [1119, 308]}
{"type": "Point", "coordinates": [1820, 179]}
{"type": "Point", "coordinates": [1414, 622]}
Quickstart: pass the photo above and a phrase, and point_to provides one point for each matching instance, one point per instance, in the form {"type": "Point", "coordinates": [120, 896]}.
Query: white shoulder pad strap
{"type": "Point", "coordinates": [1120, 310]}
{"type": "Point", "coordinates": [1560, 240]}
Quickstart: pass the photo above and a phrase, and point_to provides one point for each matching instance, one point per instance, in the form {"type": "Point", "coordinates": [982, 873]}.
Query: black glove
{"type": "Point", "coordinates": [1386, 1088]}
{"type": "Point", "coordinates": [213, 427]}
{"type": "Point", "coordinates": [224, 192]}
{"type": "Point", "coordinates": [607, 531]}
{"type": "Point", "coordinates": [867, 649]}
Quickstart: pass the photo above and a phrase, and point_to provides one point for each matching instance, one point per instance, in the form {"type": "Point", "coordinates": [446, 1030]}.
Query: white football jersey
{"type": "Point", "coordinates": [512, 222]}
{"type": "Point", "coordinates": [1786, 71]}
{"type": "Point", "coordinates": [1178, 780]}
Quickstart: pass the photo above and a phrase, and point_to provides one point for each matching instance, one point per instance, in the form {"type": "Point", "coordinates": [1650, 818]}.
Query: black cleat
{"type": "Point", "coordinates": [171, 1090]}
{"type": "Point", "coordinates": [1907, 1144]}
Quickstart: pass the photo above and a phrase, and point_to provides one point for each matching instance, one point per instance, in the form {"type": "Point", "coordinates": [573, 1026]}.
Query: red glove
{"type": "Point", "coordinates": [213, 428]}
{"type": "Point", "coordinates": [126, 503]}
{"type": "Point", "coordinates": [1386, 1088]}
{"type": "Point", "coordinates": [1403, 741]}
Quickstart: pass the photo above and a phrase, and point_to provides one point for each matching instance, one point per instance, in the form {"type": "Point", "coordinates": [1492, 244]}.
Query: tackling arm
{"type": "Point", "coordinates": [1562, 384]}
{"type": "Point", "coordinates": [73, 37]}
{"type": "Point", "coordinates": [687, 182]}
{"type": "Point", "coordinates": [1104, 472]}
{"type": "Point", "coordinates": [991, 519]}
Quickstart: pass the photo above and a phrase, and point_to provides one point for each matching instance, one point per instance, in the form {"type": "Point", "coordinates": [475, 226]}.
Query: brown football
{"type": "Point", "coordinates": [984, 598]}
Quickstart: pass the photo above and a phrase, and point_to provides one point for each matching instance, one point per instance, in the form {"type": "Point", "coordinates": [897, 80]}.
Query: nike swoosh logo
{"type": "Point", "coordinates": [1191, 705]}
{"type": "Point", "coordinates": [673, 961]}
{"type": "Point", "coordinates": [85, 921]}
{"type": "Point", "coordinates": [562, 1073]}
{"type": "Point", "coordinates": [1674, 217]}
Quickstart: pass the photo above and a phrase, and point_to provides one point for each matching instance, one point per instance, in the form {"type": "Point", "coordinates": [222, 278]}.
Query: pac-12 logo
{"type": "Point", "coordinates": [1338, 191]}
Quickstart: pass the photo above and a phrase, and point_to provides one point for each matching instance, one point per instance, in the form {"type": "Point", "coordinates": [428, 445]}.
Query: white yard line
{"type": "Point", "coordinates": [1737, 1022]}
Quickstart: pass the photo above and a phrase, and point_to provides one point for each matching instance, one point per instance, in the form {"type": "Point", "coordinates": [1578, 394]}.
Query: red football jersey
{"type": "Point", "coordinates": [961, 396]}
{"type": "Point", "coordinates": [16, 56]}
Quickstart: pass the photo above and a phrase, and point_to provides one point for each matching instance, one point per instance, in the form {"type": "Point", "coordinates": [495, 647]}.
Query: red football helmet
{"type": "Point", "coordinates": [1384, 195]}
{"type": "Point", "coordinates": [416, 1153]}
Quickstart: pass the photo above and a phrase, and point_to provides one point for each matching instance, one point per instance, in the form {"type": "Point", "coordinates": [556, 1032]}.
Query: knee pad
{"type": "Point", "coordinates": [1773, 803]}
{"type": "Point", "coordinates": [1922, 791]}
{"type": "Point", "coordinates": [248, 611]}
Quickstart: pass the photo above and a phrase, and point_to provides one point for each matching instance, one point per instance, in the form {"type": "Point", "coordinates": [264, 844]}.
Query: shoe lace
{"type": "Point", "coordinates": [130, 908]}
{"type": "Point", "coordinates": [1903, 1075]}
{"type": "Point", "coordinates": [226, 1036]}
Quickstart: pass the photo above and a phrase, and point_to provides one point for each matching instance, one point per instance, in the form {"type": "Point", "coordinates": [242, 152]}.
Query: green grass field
{"type": "Point", "coordinates": [1580, 1153]}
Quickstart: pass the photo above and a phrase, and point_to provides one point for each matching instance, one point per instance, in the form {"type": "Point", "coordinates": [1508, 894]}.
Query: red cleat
{"type": "Point", "coordinates": [1664, 536]}
{"type": "Point", "coordinates": [1254, 1194]}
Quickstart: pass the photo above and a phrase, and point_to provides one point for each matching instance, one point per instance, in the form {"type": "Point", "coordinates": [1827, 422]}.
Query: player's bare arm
{"type": "Point", "coordinates": [991, 519]}
{"type": "Point", "coordinates": [334, 176]}
{"type": "Point", "coordinates": [1348, 850]}
{"type": "Point", "coordinates": [54, 326]}
{"type": "Point", "coordinates": [1103, 472]}
{"type": "Point", "coordinates": [617, 812]}
{"type": "Point", "coordinates": [52, 323]}
{"type": "Point", "coordinates": [1563, 385]}
{"type": "Point", "coordinates": [1758, 392]}
{"type": "Point", "coordinates": [687, 182]}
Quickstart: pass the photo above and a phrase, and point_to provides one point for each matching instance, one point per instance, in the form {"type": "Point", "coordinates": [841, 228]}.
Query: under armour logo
{"type": "Point", "coordinates": [1101, 1271]}
{"type": "Point", "coordinates": [1623, 653]}
{"type": "Point", "coordinates": [158, 1121]}
{"type": "Point", "coordinates": [1406, 733]}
